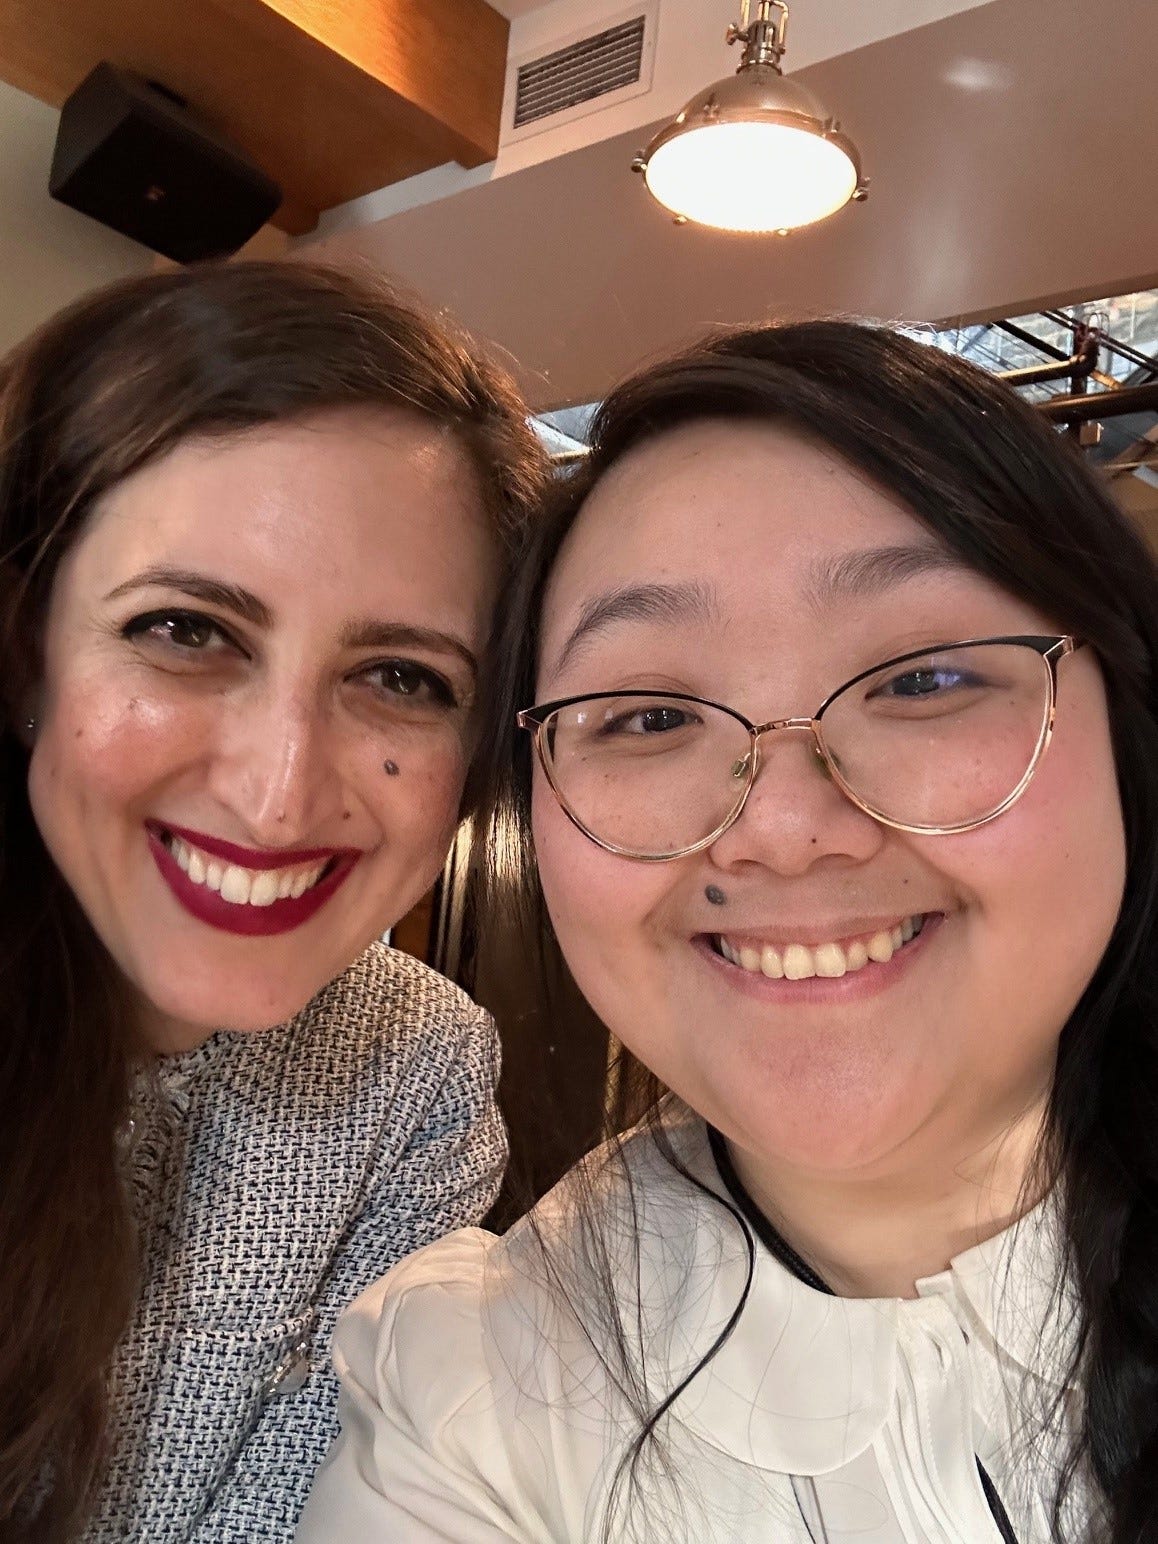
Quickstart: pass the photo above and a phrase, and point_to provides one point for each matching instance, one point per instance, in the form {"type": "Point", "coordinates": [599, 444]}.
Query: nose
{"type": "Point", "coordinates": [276, 768]}
{"type": "Point", "coordinates": [795, 816]}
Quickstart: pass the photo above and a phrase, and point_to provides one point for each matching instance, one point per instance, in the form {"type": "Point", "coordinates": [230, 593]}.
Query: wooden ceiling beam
{"type": "Point", "coordinates": [447, 58]}
{"type": "Point", "coordinates": [332, 98]}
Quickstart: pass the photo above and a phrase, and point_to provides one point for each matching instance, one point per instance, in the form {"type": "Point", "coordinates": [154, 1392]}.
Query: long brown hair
{"type": "Point", "coordinates": [107, 386]}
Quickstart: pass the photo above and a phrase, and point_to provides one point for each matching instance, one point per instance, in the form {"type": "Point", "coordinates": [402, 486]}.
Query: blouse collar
{"type": "Point", "coordinates": [806, 1380]}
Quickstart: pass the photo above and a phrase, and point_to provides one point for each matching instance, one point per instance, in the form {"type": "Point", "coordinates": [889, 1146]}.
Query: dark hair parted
{"type": "Point", "coordinates": [104, 388]}
{"type": "Point", "coordinates": [1000, 488]}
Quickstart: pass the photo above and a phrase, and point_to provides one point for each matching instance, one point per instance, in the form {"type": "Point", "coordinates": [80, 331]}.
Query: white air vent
{"type": "Point", "coordinates": [606, 62]}
{"type": "Point", "coordinates": [582, 74]}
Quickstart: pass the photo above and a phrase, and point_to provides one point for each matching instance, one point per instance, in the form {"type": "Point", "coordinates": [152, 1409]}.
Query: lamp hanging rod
{"type": "Point", "coordinates": [764, 39]}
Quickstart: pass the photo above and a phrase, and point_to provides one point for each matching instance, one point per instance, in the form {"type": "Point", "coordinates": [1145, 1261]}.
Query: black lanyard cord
{"type": "Point", "coordinates": [782, 1250]}
{"type": "Point", "coordinates": [996, 1506]}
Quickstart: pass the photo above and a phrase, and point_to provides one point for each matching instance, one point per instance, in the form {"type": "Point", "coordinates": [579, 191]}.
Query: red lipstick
{"type": "Point", "coordinates": [251, 857]}
{"type": "Point", "coordinates": [282, 915]}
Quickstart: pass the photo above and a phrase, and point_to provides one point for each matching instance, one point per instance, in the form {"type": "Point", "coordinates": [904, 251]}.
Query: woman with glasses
{"type": "Point", "coordinates": [839, 751]}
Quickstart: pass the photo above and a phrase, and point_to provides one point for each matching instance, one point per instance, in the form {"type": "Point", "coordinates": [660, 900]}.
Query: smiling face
{"type": "Point", "coordinates": [254, 718]}
{"type": "Point", "coordinates": [962, 955]}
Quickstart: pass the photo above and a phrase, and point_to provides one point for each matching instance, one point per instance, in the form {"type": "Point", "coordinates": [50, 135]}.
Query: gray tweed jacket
{"type": "Point", "coordinates": [274, 1176]}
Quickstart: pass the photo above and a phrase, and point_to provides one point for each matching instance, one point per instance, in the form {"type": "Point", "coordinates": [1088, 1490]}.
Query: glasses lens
{"type": "Point", "coordinates": [943, 740]}
{"type": "Point", "coordinates": [647, 774]}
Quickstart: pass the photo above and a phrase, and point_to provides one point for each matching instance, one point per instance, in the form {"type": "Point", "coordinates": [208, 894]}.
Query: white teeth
{"type": "Point", "coordinates": [242, 886]}
{"type": "Point", "coordinates": [263, 889]}
{"type": "Point", "coordinates": [235, 884]}
{"type": "Point", "coordinates": [880, 948]}
{"type": "Point", "coordinates": [830, 960]}
{"type": "Point", "coordinates": [797, 962]}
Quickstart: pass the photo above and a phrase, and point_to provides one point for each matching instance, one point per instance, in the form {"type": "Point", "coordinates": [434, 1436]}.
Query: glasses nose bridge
{"type": "Point", "coordinates": [759, 730]}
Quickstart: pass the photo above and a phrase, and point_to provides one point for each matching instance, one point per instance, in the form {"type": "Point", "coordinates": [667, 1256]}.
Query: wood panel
{"type": "Point", "coordinates": [333, 98]}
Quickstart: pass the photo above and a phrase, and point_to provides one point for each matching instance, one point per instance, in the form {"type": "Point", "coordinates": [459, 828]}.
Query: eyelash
{"type": "Point", "coordinates": [433, 687]}
{"type": "Point", "coordinates": [139, 626]}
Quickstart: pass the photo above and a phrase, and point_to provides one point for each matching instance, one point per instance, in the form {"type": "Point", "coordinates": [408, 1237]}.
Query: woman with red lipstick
{"type": "Point", "coordinates": [842, 774]}
{"type": "Point", "coordinates": [252, 523]}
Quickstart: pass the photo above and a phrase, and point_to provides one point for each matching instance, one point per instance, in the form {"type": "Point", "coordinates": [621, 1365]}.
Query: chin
{"type": "Point", "coordinates": [822, 1130]}
{"type": "Point", "coordinates": [244, 1011]}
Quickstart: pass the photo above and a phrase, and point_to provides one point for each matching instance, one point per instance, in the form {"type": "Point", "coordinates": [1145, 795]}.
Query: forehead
{"type": "Point", "coordinates": [727, 501]}
{"type": "Point", "coordinates": [342, 501]}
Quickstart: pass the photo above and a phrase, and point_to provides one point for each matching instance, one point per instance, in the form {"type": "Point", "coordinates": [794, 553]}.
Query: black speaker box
{"type": "Point", "coordinates": [133, 157]}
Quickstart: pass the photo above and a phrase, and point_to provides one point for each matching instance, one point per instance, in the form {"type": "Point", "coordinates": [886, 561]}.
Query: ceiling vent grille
{"type": "Point", "coordinates": [593, 67]}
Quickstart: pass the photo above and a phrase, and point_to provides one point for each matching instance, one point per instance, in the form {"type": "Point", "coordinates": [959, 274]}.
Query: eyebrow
{"type": "Point", "coordinates": [875, 570]}
{"type": "Point", "coordinates": [243, 603]}
{"type": "Point", "coordinates": [230, 597]}
{"type": "Point", "coordinates": [690, 602]}
{"type": "Point", "coordinates": [404, 635]}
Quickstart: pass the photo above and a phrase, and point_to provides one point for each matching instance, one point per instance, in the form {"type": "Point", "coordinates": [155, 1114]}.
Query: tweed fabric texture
{"type": "Point", "coordinates": [274, 1176]}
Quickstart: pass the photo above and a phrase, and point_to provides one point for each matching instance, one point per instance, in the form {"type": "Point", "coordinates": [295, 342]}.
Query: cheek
{"type": "Point", "coordinates": [414, 793]}
{"type": "Point", "coordinates": [100, 744]}
{"type": "Point", "coordinates": [1050, 873]}
{"type": "Point", "coordinates": [602, 908]}
{"type": "Point", "coordinates": [571, 877]}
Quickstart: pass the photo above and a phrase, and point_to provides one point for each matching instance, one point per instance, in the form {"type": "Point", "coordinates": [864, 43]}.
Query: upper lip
{"type": "Point", "coordinates": [251, 857]}
{"type": "Point", "coordinates": [812, 933]}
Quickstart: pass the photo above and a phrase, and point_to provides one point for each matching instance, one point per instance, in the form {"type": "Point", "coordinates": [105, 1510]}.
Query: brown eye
{"type": "Point", "coordinates": [401, 677]}
{"type": "Point", "coordinates": [405, 678]}
{"type": "Point", "coordinates": [184, 631]}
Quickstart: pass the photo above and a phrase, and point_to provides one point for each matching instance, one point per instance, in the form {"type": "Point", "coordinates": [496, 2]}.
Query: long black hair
{"type": "Point", "coordinates": [1004, 491]}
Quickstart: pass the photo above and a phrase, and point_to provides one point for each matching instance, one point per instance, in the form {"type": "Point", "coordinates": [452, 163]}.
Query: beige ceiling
{"type": "Point", "coordinates": [1013, 158]}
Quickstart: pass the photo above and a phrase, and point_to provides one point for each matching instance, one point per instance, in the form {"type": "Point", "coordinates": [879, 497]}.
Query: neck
{"type": "Point", "coordinates": [159, 1034]}
{"type": "Point", "coordinates": [877, 1232]}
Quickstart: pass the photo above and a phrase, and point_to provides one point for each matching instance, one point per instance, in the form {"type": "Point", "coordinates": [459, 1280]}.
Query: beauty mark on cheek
{"type": "Point", "coordinates": [391, 768]}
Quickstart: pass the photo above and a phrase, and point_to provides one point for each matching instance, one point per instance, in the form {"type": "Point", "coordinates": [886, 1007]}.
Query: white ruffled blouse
{"type": "Point", "coordinates": [477, 1403]}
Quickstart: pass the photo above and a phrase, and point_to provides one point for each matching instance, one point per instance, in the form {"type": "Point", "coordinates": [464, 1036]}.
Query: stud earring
{"type": "Point", "coordinates": [30, 725]}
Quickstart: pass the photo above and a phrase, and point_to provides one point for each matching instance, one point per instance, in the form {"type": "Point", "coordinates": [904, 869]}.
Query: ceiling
{"type": "Point", "coordinates": [1012, 163]}
{"type": "Point", "coordinates": [331, 98]}
{"type": "Point", "coordinates": [1011, 151]}
{"type": "Point", "coordinates": [512, 9]}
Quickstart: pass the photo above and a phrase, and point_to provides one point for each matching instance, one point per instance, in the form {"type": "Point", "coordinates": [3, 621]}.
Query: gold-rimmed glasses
{"type": "Point", "coordinates": [935, 741]}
